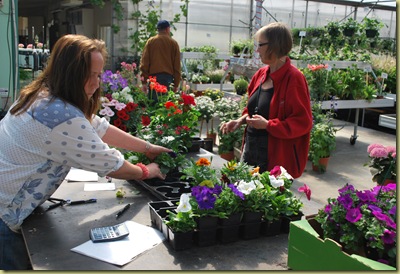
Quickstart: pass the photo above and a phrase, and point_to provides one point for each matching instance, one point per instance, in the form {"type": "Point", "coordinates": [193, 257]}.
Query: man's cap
{"type": "Point", "coordinates": [162, 24]}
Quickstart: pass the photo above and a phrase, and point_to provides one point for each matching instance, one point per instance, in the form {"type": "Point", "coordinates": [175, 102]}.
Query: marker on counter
{"type": "Point", "coordinates": [122, 211]}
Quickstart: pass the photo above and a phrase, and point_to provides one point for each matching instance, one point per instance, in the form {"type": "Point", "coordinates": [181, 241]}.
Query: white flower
{"type": "Point", "coordinates": [167, 139]}
{"type": "Point", "coordinates": [276, 182]}
{"type": "Point", "coordinates": [258, 184]}
{"type": "Point", "coordinates": [285, 173]}
{"type": "Point", "coordinates": [246, 187]}
{"type": "Point", "coordinates": [184, 205]}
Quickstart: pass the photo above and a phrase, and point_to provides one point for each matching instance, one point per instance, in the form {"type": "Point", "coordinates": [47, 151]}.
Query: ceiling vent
{"type": "Point", "coordinates": [71, 3]}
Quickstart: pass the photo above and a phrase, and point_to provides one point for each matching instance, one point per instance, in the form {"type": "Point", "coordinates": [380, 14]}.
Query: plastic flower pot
{"type": "Point", "coordinates": [271, 228]}
{"type": "Point", "coordinates": [205, 237]}
{"type": "Point", "coordinates": [233, 219]}
{"type": "Point", "coordinates": [250, 231]}
{"type": "Point", "coordinates": [228, 234]}
{"type": "Point", "coordinates": [207, 222]}
{"type": "Point", "coordinates": [180, 240]}
{"type": "Point", "coordinates": [287, 219]}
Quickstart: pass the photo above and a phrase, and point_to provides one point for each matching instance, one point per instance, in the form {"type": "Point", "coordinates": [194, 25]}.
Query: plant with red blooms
{"type": "Point", "coordinates": [382, 162]}
{"type": "Point", "coordinates": [124, 116]}
{"type": "Point", "coordinates": [364, 222]}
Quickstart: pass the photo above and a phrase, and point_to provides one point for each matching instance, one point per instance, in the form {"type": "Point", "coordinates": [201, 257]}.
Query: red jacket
{"type": "Point", "coordinates": [290, 117]}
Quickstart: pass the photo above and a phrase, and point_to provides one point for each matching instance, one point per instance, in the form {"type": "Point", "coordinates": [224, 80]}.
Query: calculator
{"type": "Point", "coordinates": [109, 233]}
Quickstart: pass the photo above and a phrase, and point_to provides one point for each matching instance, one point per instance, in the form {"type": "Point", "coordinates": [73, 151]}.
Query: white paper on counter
{"type": "Point", "coordinates": [98, 186]}
{"type": "Point", "coordinates": [140, 239]}
{"type": "Point", "coordinates": [80, 175]}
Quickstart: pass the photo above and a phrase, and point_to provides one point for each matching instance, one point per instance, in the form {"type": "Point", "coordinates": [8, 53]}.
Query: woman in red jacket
{"type": "Point", "coordinates": [278, 112]}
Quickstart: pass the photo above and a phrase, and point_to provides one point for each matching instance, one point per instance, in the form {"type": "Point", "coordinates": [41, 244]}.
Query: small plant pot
{"type": "Point", "coordinates": [233, 219]}
{"type": "Point", "coordinates": [285, 224]}
{"type": "Point", "coordinates": [205, 237]}
{"type": "Point", "coordinates": [271, 228]}
{"type": "Point", "coordinates": [322, 165]}
{"type": "Point", "coordinates": [180, 240]}
{"type": "Point", "coordinates": [251, 217]}
{"type": "Point", "coordinates": [207, 222]}
{"type": "Point", "coordinates": [250, 231]}
{"type": "Point", "coordinates": [228, 234]}
{"type": "Point", "coordinates": [229, 156]}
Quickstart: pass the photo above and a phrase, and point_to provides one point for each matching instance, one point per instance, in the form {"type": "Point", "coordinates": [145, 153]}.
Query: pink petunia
{"type": "Point", "coordinates": [306, 190]}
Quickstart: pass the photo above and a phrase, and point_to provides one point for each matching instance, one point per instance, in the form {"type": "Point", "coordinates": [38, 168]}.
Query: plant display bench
{"type": "Point", "coordinates": [308, 251]}
{"type": "Point", "coordinates": [357, 105]}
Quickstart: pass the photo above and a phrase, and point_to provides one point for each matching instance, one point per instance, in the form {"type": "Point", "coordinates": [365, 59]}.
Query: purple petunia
{"type": "Point", "coordinates": [346, 188]}
{"type": "Point", "coordinates": [346, 201]}
{"type": "Point", "coordinates": [388, 237]}
{"type": "Point", "coordinates": [393, 210]}
{"type": "Point", "coordinates": [236, 191]}
{"type": "Point", "coordinates": [366, 196]}
{"type": "Point", "coordinates": [383, 217]}
{"type": "Point", "coordinates": [374, 208]}
{"type": "Point", "coordinates": [204, 196]}
{"type": "Point", "coordinates": [353, 215]}
{"type": "Point", "coordinates": [328, 208]}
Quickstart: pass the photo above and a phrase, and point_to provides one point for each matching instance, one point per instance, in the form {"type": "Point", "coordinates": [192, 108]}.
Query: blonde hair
{"type": "Point", "coordinates": [279, 38]}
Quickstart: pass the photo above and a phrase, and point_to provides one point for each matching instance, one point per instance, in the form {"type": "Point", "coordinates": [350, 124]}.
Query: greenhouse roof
{"type": "Point", "coordinates": [372, 4]}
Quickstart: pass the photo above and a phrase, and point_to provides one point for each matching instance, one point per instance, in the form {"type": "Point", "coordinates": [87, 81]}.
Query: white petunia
{"type": "Point", "coordinates": [285, 173]}
{"type": "Point", "coordinates": [246, 187]}
{"type": "Point", "coordinates": [276, 182]}
{"type": "Point", "coordinates": [184, 205]}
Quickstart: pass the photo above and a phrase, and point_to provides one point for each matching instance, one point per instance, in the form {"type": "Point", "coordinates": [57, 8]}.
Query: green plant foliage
{"type": "Point", "coordinates": [240, 86]}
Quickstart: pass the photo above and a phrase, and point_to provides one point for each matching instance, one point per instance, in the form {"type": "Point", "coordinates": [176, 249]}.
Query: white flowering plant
{"type": "Point", "coordinates": [182, 219]}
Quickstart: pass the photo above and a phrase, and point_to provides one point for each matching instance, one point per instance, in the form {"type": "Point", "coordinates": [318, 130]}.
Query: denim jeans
{"type": "Point", "coordinates": [13, 253]}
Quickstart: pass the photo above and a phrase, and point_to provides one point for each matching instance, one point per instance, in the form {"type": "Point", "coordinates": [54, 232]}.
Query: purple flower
{"type": "Point", "coordinates": [346, 188]}
{"type": "Point", "coordinates": [393, 210]}
{"type": "Point", "coordinates": [217, 190]}
{"type": "Point", "coordinates": [385, 218]}
{"type": "Point", "coordinates": [366, 196]}
{"type": "Point", "coordinates": [204, 196]}
{"type": "Point", "coordinates": [374, 208]}
{"type": "Point", "coordinates": [346, 201]}
{"type": "Point", "coordinates": [236, 191]}
{"type": "Point", "coordinates": [328, 208]}
{"type": "Point", "coordinates": [388, 237]}
{"type": "Point", "coordinates": [353, 215]}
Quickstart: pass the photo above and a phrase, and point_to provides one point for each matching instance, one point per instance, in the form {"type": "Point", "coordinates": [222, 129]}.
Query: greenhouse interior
{"type": "Point", "coordinates": [209, 161]}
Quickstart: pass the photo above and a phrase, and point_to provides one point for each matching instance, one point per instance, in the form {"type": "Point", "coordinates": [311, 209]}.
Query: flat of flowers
{"type": "Point", "coordinates": [308, 251]}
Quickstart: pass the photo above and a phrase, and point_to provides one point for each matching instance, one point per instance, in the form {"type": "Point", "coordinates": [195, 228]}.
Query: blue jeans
{"type": "Point", "coordinates": [13, 253]}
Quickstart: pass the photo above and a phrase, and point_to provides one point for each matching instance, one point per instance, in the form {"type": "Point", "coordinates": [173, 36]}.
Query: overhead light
{"type": "Point", "coordinates": [71, 3]}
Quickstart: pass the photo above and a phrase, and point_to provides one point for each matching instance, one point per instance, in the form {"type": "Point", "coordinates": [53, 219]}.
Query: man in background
{"type": "Point", "coordinates": [161, 58]}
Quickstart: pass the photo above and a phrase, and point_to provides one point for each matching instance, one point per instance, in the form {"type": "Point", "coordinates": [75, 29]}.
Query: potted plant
{"type": "Point", "coordinates": [322, 138]}
{"type": "Point", "coordinates": [240, 86]}
{"type": "Point", "coordinates": [350, 27]}
{"type": "Point", "coordinates": [372, 27]}
{"type": "Point", "coordinates": [206, 107]}
{"type": "Point", "coordinates": [181, 224]}
{"type": "Point", "coordinates": [363, 222]}
{"type": "Point", "coordinates": [228, 141]}
{"type": "Point", "coordinates": [333, 28]}
{"type": "Point", "coordinates": [322, 143]}
{"type": "Point", "coordinates": [382, 163]}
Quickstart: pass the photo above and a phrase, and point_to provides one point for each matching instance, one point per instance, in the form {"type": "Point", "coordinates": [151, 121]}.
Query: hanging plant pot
{"type": "Point", "coordinates": [371, 33]}
{"type": "Point", "coordinates": [348, 32]}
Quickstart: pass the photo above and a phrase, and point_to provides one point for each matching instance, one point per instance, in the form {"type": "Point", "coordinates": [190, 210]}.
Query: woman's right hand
{"type": "Point", "coordinates": [155, 172]}
{"type": "Point", "coordinates": [230, 126]}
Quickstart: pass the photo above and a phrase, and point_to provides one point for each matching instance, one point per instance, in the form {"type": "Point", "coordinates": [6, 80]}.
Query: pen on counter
{"type": "Point", "coordinates": [119, 214]}
{"type": "Point", "coordinates": [83, 202]}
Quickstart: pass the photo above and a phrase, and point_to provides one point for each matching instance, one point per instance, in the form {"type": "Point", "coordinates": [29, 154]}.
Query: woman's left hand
{"type": "Point", "coordinates": [257, 121]}
{"type": "Point", "coordinates": [155, 150]}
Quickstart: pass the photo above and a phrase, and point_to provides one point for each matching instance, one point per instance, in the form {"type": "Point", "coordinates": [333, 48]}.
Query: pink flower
{"type": "Point", "coordinates": [29, 46]}
{"type": "Point", "coordinates": [372, 146]}
{"type": "Point", "coordinates": [378, 152]}
{"type": "Point", "coordinates": [306, 190]}
{"type": "Point", "coordinates": [21, 45]}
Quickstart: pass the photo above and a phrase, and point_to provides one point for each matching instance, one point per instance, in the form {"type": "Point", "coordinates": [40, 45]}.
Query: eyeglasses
{"type": "Point", "coordinates": [259, 45]}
